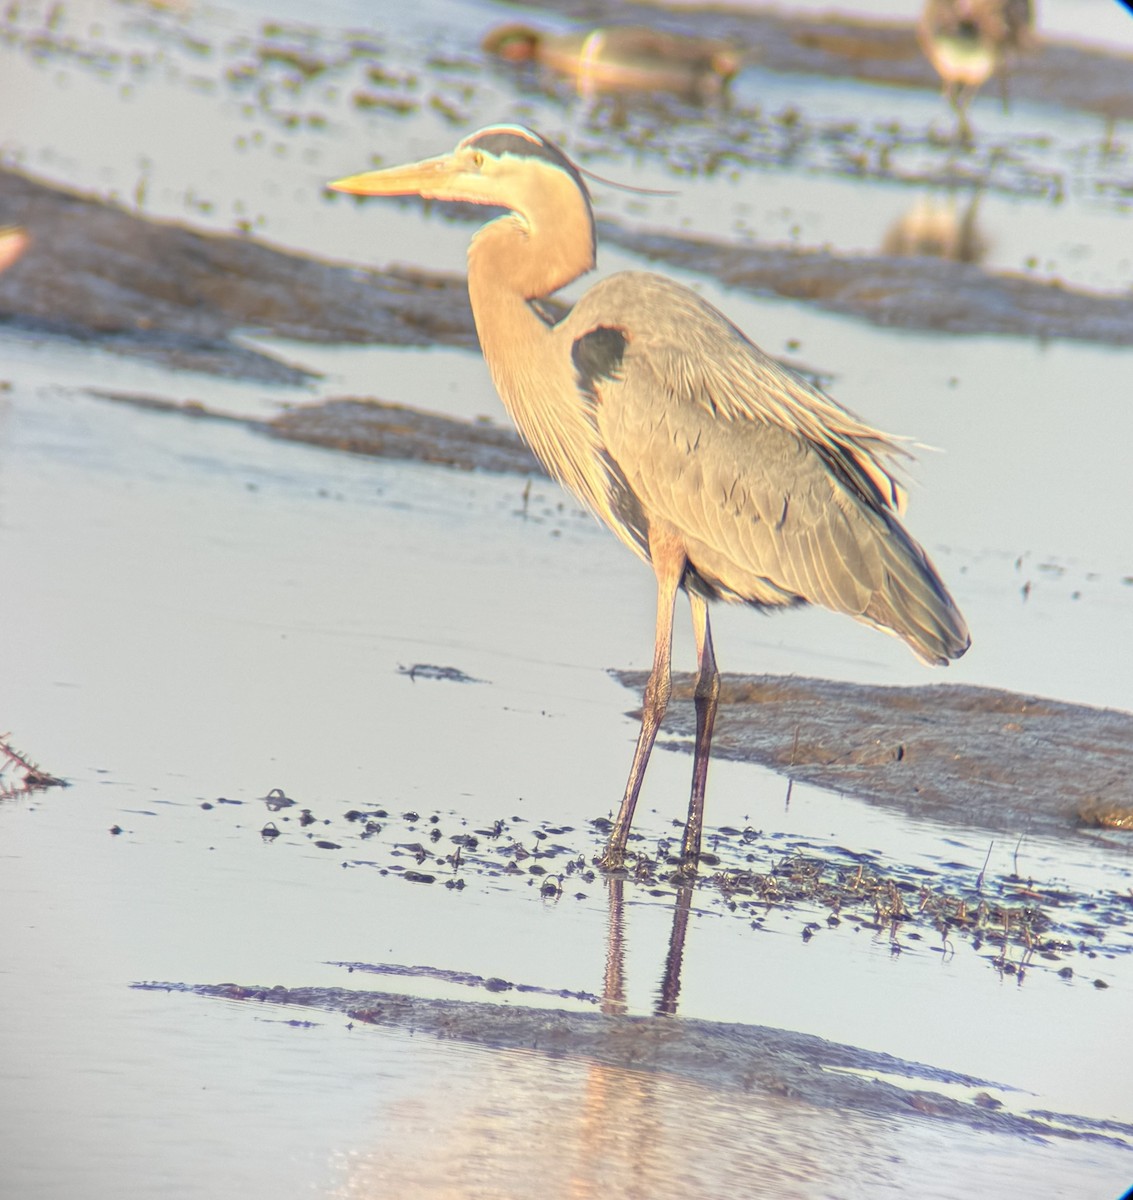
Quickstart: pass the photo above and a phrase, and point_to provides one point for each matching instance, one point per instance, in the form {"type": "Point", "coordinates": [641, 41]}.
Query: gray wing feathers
{"type": "Point", "coordinates": [915, 604]}
{"type": "Point", "coordinates": [769, 513]}
{"type": "Point", "coordinates": [708, 361]}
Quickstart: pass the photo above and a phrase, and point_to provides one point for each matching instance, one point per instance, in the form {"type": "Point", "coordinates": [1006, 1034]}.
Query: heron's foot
{"type": "Point", "coordinates": [691, 856]}
{"type": "Point", "coordinates": [964, 136]}
{"type": "Point", "coordinates": [613, 858]}
{"type": "Point", "coordinates": [686, 870]}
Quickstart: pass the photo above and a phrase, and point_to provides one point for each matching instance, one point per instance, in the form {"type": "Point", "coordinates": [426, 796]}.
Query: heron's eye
{"type": "Point", "coordinates": [477, 159]}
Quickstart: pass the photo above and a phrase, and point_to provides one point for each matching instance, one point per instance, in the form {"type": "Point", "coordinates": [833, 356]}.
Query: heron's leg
{"type": "Point", "coordinates": [614, 983]}
{"type": "Point", "coordinates": [960, 96]}
{"type": "Point", "coordinates": [671, 980]}
{"type": "Point", "coordinates": [1004, 79]}
{"type": "Point", "coordinates": [707, 696]}
{"type": "Point", "coordinates": [668, 557]}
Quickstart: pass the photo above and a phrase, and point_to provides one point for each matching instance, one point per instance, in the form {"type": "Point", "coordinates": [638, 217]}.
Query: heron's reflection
{"type": "Point", "coordinates": [614, 1114]}
{"type": "Point", "coordinates": [938, 227]}
{"type": "Point", "coordinates": [671, 979]}
{"type": "Point", "coordinates": [614, 984]}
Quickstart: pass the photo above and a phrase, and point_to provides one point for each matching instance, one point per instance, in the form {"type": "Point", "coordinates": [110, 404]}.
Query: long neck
{"type": "Point", "coordinates": [511, 262]}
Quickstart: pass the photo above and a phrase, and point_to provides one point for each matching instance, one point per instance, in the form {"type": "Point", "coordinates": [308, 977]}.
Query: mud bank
{"type": "Point", "coordinates": [962, 755]}
{"type": "Point", "coordinates": [775, 1062]}
{"type": "Point", "coordinates": [370, 427]}
{"type": "Point", "coordinates": [96, 273]}
{"type": "Point", "coordinates": [923, 293]}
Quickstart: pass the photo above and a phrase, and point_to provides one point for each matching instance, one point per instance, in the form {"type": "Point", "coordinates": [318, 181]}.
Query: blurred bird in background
{"type": "Point", "coordinates": [968, 41]}
{"type": "Point", "coordinates": [623, 58]}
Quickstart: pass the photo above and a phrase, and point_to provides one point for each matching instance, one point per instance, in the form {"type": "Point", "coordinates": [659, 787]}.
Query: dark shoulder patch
{"type": "Point", "coordinates": [598, 355]}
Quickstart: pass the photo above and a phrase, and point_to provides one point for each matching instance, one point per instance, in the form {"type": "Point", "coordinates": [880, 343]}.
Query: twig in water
{"type": "Point", "coordinates": [791, 778]}
{"type": "Point", "coordinates": [980, 876]}
{"type": "Point", "coordinates": [33, 776]}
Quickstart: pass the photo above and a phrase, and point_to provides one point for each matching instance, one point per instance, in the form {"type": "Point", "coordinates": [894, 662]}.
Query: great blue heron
{"type": "Point", "coordinates": [968, 41]}
{"type": "Point", "coordinates": [733, 476]}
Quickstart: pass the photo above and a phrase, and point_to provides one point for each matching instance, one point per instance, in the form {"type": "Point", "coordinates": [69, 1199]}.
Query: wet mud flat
{"type": "Point", "coordinates": [1017, 921]}
{"type": "Point", "coordinates": [374, 428]}
{"type": "Point", "coordinates": [754, 879]}
{"type": "Point", "coordinates": [875, 51]}
{"type": "Point", "coordinates": [747, 1059]}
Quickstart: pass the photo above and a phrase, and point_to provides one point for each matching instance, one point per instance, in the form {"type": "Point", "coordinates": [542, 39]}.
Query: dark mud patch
{"type": "Point", "coordinates": [907, 293]}
{"type": "Point", "coordinates": [437, 673]}
{"type": "Point", "coordinates": [369, 427]}
{"type": "Point", "coordinates": [745, 1059]}
{"type": "Point", "coordinates": [996, 760]}
{"type": "Point", "coordinates": [394, 431]}
{"type": "Point", "coordinates": [97, 273]}
{"type": "Point", "coordinates": [467, 979]}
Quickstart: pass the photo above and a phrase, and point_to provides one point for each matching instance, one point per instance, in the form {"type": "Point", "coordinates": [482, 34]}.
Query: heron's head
{"type": "Point", "coordinates": [505, 166]}
{"type": "Point", "coordinates": [513, 43]}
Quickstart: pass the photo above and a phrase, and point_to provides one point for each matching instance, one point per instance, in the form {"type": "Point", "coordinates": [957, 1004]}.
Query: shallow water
{"type": "Point", "coordinates": [194, 612]}
{"type": "Point", "coordinates": [262, 647]}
